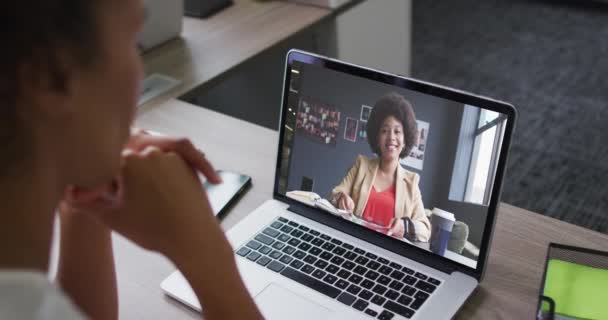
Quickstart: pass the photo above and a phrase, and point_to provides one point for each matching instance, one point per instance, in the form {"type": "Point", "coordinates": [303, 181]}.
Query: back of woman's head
{"type": "Point", "coordinates": [33, 33]}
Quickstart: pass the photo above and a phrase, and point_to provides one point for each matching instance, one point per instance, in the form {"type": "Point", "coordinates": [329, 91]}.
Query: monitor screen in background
{"type": "Point", "coordinates": [451, 165]}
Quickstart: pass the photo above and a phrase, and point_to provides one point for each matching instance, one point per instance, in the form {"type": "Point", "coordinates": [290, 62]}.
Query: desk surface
{"type": "Point", "coordinates": [213, 47]}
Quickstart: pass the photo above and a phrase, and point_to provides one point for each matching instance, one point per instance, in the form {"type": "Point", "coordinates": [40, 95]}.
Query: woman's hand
{"type": "Point", "coordinates": [345, 202]}
{"type": "Point", "coordinates": [397, 229]}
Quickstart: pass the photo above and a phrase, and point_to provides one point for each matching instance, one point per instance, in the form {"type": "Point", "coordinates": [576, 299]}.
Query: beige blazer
{"type": "Point", "coordinates": [358, 184]}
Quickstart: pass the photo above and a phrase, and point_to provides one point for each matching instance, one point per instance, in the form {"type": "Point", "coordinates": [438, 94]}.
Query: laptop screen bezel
{"type": "Point", "coordinates": [384, 241]}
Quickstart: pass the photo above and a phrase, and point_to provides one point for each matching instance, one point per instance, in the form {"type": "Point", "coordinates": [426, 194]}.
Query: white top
{"type": "Point", "coordinates": [30, 295]}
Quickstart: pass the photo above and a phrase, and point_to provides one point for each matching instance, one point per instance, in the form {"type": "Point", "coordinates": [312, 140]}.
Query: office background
{"type": "Point", "coordinates": [327, 164]}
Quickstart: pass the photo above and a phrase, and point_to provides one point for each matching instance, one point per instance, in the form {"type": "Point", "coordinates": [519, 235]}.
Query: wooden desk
{"type": "Point", "coordinates": [214, 47]}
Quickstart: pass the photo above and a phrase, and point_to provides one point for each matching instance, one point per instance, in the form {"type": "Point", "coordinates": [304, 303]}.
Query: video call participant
{"type": "Point", "coordinates": [378, 189]}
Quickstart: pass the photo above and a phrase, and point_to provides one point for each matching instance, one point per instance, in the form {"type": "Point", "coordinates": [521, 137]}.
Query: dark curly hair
{"type": "Point", "coordinates": [392, 104]}
{"type": "Point", "coordinates": [34, 32]}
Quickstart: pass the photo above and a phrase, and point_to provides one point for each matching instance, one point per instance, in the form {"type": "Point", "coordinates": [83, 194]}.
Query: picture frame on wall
{"type": "Point", "coordinates": [318, 121]}
{"type": "Point", "coordinates": [365, 112]}
{"type": "Point", "coordinates": [350, 129]}
{"type": "Point", "coordinates": [416, 157]}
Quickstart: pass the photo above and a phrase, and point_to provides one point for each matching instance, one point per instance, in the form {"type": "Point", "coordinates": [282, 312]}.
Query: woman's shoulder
{"type": "Point", "coordinates": [365, 160]}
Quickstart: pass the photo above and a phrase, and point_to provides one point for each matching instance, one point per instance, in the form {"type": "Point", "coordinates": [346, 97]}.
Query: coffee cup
{"type": "Point", "coordinates": [442, 223]}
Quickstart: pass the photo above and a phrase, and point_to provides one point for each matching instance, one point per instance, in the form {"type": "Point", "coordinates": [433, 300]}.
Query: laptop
{"type": "Point", "coordinates": [301, 260]}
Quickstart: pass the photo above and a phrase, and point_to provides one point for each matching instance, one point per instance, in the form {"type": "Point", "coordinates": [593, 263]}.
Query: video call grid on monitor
{"type": "Point", "coordinates": [457, 155]}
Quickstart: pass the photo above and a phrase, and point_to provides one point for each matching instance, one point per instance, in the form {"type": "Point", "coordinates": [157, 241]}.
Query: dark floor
{"type": "Point", "coordinates": [548, 58]}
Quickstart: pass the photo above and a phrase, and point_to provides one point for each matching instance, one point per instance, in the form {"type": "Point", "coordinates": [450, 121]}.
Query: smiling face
{"type": "Point", "coordinates": [390, 138]}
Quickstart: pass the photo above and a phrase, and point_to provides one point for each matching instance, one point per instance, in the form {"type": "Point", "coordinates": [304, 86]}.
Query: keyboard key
{"type": "Point", "coordinates": [314, 232]}
{"type": "Point", "coordinates": [359, 251]}
{"type": "Point", "coordinates": [347, 246]}
{"type": "Point", "coordinates": [277, 225]}
{"type": "Point", "coordinates": [278, 245]}
{"type": "Point", "coordinates": [347, 298]}
{"type": "Point", "coordinates": [321, 264]}
{"type": "Point", "coordinates": [319, 274]}
{"type": "Point", "coordinates": [360, 270]}
{"type": "Point", "coordinates": [311, 282]}
{"type": "Point", "coordinates": [392, 294]}
{"type": "Point", "coordinates": [348, 265]}
{"type": "Point", "coordinates": [399, 309]}
{"type": "Point", "coordinates": [243, 251]}
{"type": "Point", "coordinates": [366, 294]}
{"type": "Point", "coordinates": [362, 260]}
{"type": "Point", "coordinates": [264, 239]}
{"type": "Point", "coordinates": [265, 249]}
{"type": "Point", "coordinates": [396, 285]}
{"type": "Point", "coordinates": [326, 255]}
{"type": "Point", "coordinates": [405, 300]}
{"type": "Point", "coordinates": [337, 260]}
{"type": "Point", "coordinates": [434, 281]}
{"type": "Point", "coordinates": [385, 270]}
{"type": "Point", "coordinates": [289, 250]}
{"type": "Point", "coordinates": [368, 284]}
{"type": "Point", "coordinates": [330, 279]}
{"type": "Point", "coordinates": [395, 265]}
{"type": "Point", "coordinates": [360, 305]}
{"type": "Point", "coordinates": [383, 261]}
{"type": "Point", "coordinates": [355, 279]}
{"type": "Point", "coordinates": [254, 245]}
{"type": "Point", "coordinates": [297, 233]}
{"type": "Point", "coordinates": [317, 242]}
{"type": "Point", "coordinates": [420, 276]}
{"type": "Point", "coordinates": [283, 237]}
{"type": "Point", "coordinates": [409, 291]}
{"type": "Point", "coordinates": [283, 219]}
{"type": "Point", "coordinates": [350, 255]}
{"type": "Point", "coordinates": [384, 280]}
{"type": "Point", "coordinates": [416, 304]}
{"type": "Point", "coordinates": [287, 229]}
{"type": "Point", "coordinates": [310, 259]}
{"type": "Point", "coordinates": [336, 242]}
{"type": "Point", "coordinates": [386, 315]}
{"type": "Point", "coordinates": [407, 270]}
{"type": "Point", "coordinates": [276, 254]}
{"type": "Point", "coordinates": [344, 274]}
{"type": "Point", "coordinates": [373, 275]}
{"type": "Point", "coordinates": [332, 269]}
{"type": "Point", "coordinates": [354, 289]}
{"type": "Point", "coordinates": [379, 289]}
{"type": "Point", "coordinates": [325, 237]}
{"type": "Point", "coordinates": [263, 261]}
{"type": "Point", "coordinates": [371, 256]}
{"type": "Point", "coordinates": [294, 242]}
{"type": "Point", "coordinates": [296, 264]}
{"type": "Point", "coordinates": [299, 254]}
{"type": "Point", "coordinates": [409, 280]}
{"type": "Point", "coordinates": [307, 269]}
{"type": "Point", "coordinates": [328, 246]}
{"type": "Point", "coordinates": [339, 251]}
{"type": "Point", "coordinates": [341, 284]}
{"type": "Point", "coordinates": [307, 237]}
{"type": "Point", "coordinates": [315, 251]}
{"type": "Point", "coordinates": [293, 223]}
{"type": "Point", "coordinates": [397, 275]}
{"type": "Point", "coordinates": [371, 312]}
{"type": "Point", "coordinates": [253, 256]}
{"type": "Point", "coordinates": [276, 266]}
{"type": "Point", "coordinates": [304, 246]}
{"type": "Point", "coordinates": [286, 259]}
{"type": "Point", "coordinates": [379, 300]}
{"type": "Point", "coordinates": [271, 232]}
{"type": "Point", "coordinates": [421, 295]}
{"type": "Point", "coordinates": [425, 286]}
{"type": "Point", "coordinates": [373, 265]}
{"type": "Point", "coordinates": [303, 228]}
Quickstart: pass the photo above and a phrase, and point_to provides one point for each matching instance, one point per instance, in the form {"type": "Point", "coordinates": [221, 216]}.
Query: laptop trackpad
{"type": "Point", "coordinates": [276, 302]}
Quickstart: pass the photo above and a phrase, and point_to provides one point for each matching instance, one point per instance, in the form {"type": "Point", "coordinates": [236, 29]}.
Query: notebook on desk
{"type": "Point", "coordinates": [341, 125]}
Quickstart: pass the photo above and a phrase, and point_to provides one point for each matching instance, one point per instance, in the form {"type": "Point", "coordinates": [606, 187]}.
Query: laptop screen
{"type": "Point", "coordinates": [408, 164]}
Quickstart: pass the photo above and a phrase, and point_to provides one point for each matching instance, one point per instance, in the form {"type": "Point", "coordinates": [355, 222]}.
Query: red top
{"type": "Point", "coordinates": [380, 207]}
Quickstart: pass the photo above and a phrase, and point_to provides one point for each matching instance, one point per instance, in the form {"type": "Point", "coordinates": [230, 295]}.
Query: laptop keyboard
{"type": "Point", "coordinates": [374, 285]}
